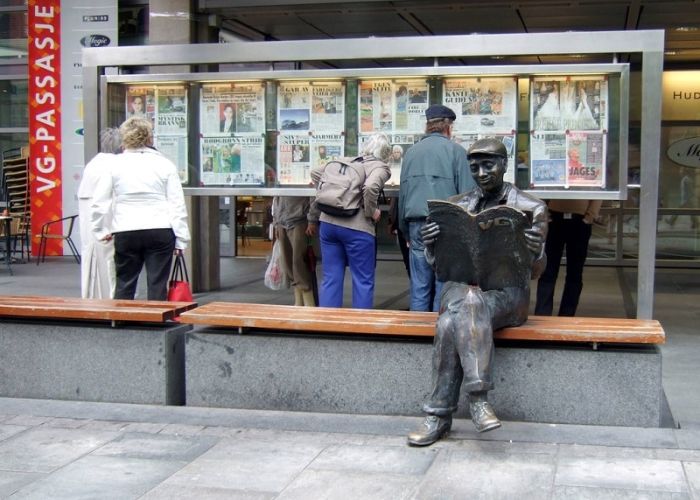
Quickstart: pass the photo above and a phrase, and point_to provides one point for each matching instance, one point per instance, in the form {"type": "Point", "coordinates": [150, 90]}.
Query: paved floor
{"type": "Point", "coordinates": [64, 449]}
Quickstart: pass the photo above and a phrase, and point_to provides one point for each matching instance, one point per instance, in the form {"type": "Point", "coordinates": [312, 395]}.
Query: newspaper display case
{"type": "Point", "coordinates": [237, 146]}
{"type": "Point", "coordinates": [103, 79]}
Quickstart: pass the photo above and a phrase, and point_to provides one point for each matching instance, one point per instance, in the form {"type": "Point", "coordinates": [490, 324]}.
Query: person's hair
{"type": "Point", "coordinates": [136, 133]}
{"type": "Point", "coordinates": [110, 140]}
{"type": "Point", "coordinates": [439, 126]}
{"type": "Point", "coordinates": [377, 145]}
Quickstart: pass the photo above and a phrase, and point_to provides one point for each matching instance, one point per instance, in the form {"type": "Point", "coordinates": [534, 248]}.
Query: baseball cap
{"type": "Point", "coordinates": [437, 111]}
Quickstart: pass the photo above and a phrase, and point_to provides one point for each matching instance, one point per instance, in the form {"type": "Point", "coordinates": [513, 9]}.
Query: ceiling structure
{"type": "Point", "coordinates": [258, 20]}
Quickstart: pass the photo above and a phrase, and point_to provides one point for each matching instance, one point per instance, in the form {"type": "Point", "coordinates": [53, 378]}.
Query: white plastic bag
{"type": "Point", "coordinates": [275, 278]}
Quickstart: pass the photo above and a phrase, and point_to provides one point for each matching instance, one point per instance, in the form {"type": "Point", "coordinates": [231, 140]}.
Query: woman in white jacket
{"type": "Point", "coordinates": [97, 257]}
{"type": "Point", "coordinates": [149, 217]}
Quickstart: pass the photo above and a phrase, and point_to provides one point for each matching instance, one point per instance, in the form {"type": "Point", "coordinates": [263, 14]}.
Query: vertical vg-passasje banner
{"type": "Point", "coordinates": [44, 46]}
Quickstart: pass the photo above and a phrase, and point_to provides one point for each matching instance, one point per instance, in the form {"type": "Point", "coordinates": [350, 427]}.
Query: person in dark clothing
{"type": "Point", "coordinates": [434, 168]}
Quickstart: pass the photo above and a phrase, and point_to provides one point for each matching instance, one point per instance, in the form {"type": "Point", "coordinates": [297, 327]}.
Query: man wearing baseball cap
{"type": "Point", "coordinates": [434, 168]}
{"type": "Point", "coordinates": [463, 350]}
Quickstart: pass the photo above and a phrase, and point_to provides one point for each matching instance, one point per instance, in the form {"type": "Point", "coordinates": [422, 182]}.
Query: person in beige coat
{"type": "Point", "coordinates": [289, 215]}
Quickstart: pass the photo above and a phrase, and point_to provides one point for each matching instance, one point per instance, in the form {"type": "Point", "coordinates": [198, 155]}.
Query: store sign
{"type": "Point", "coordinates": [681, 95]}
{"type": "Point", "coordinates": [83, 24]}
{"type": "Point", "coordinates": [44, 42]}
{"type": "Point", "coordinates": [685, 152]}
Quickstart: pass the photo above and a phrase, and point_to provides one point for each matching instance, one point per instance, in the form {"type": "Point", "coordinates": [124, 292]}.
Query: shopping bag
{"type": "Point", "coordinates": [275, 278]}
{"type": "Point", "coordinates": [179, 284]}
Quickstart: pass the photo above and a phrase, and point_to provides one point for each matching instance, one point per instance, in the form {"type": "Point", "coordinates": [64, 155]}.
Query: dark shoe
{"type": "Point", "coordinates": [483, 416]}
{"type": "Point", "coordinates": [433, 428]}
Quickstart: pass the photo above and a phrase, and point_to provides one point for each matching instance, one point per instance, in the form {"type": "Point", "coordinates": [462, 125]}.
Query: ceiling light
{"type": "Point", "coordinates": [685, 28]}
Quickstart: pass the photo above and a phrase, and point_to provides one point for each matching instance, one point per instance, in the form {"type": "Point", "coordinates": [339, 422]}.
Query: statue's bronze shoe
{"type": "Point", "coordinates": [483, 416]}
{"type": "Point", "coordinates": [433, 428]}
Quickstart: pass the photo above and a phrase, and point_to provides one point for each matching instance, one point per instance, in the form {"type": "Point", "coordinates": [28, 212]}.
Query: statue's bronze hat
{"type": "Point", "coordinates": [488, 146]}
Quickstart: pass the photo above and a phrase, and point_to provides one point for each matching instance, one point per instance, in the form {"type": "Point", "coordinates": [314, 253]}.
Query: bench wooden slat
{"type": "Point", "coordinates": [421, 324]}
{"type": "Point", "coordinates": [91, 309]}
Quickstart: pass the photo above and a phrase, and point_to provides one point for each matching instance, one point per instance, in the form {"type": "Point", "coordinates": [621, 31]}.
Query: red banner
{"type": "Point", "coordinates": [44, 26]}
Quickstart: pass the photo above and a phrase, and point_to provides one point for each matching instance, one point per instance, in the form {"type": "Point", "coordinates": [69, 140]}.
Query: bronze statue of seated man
{"type": "Point", "coordinates": [470, 310]}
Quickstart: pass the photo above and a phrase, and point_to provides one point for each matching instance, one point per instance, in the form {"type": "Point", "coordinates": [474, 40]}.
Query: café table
{"type": "Point", "coordinates": [6, 220]}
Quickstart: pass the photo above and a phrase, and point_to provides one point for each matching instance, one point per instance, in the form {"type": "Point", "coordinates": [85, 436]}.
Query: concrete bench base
{"type": "Point", "coordinates": [84, 361]}
{"type": "Point", "coordinates": [538, 382]}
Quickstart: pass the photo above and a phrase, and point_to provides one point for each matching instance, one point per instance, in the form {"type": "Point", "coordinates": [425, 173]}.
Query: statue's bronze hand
{"type": "Point", "coordinates": [534, 240]}
{"type": "Point", "coordinates": [429, 233]}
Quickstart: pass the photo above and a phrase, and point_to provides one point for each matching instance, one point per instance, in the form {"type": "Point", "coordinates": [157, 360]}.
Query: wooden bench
{"type": "Point", "coordinates": [19, 306]}
{"type": "Point", "coordinates": [379, 362]}
{"type": "Point", "coordinates": [124, 351]}
{"type": "Point", "coordinates": [418, 324]}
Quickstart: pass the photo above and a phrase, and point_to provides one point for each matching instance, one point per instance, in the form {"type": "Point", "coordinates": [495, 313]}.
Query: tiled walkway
{"type": "Point", "coordinates": [62, 449]}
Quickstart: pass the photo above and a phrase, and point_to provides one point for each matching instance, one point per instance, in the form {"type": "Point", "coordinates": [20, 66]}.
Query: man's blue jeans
{"type": "Point", "coordinates": [423, 284]}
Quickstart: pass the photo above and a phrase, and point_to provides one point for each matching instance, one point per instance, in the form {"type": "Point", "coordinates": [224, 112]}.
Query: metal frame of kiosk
{"type": "Point", "coordinates": [101, 68]}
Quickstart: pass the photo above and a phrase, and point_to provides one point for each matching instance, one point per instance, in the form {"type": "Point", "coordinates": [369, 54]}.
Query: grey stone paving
{"type": "Point", "coordinates": [67, 449]}
{"type": "Point", "coordinates": [141, 451]}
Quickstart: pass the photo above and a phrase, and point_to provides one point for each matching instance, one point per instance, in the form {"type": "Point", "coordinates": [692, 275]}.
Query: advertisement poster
{"type": "Point", "coordinates": [174, 147]}
{"type": "Point", "coordinates": [171, 111]}
{"type": "Point", "coordinates": [585, 154]}
{"type": "Point", "coordinates": [569, 103]}
{"type": "Point", "coordinates": [324, 148]}
{"type": "Point", "coordinates": [166, 107]}
{"type": "Point", "coordinates": [294, 159]}
{"type": "Point", "coordinates": [482, 105]}
{"type": "Point", "coordinates": [317, 107]}
{"type": "Point", "coordinates": [327, 107]}
{"type": "Point", "coordinates": [548, 159]}
{"type": "Point", "coordinates": [233, 160]}
{"type": "Point", "coordinates": [392, 106]}
{"type": "Point", "coordinates": [569, 117]}
{"type": "Point", "coordinates": [232, 109]}
{"type": "Point", "coordinates": [232, 128]}
{"type": "Point", "coordinates": [294, 107]}
{"type": "Point", "coordinates": [141, 101]}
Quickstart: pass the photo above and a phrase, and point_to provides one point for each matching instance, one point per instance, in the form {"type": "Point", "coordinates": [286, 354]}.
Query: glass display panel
{"type": "Point", "coordinates": [569, 131]}
{"type": "Point", "coordinates": [166, 107]}
{"type": "Point", "coordinates": [485, 107]}
{"type": "Point", "coordinates": [311, 121]}
{"type": "Point", "coordinates": [396, 107]}
{"type": "Point", "coordinates": [232, 134]}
